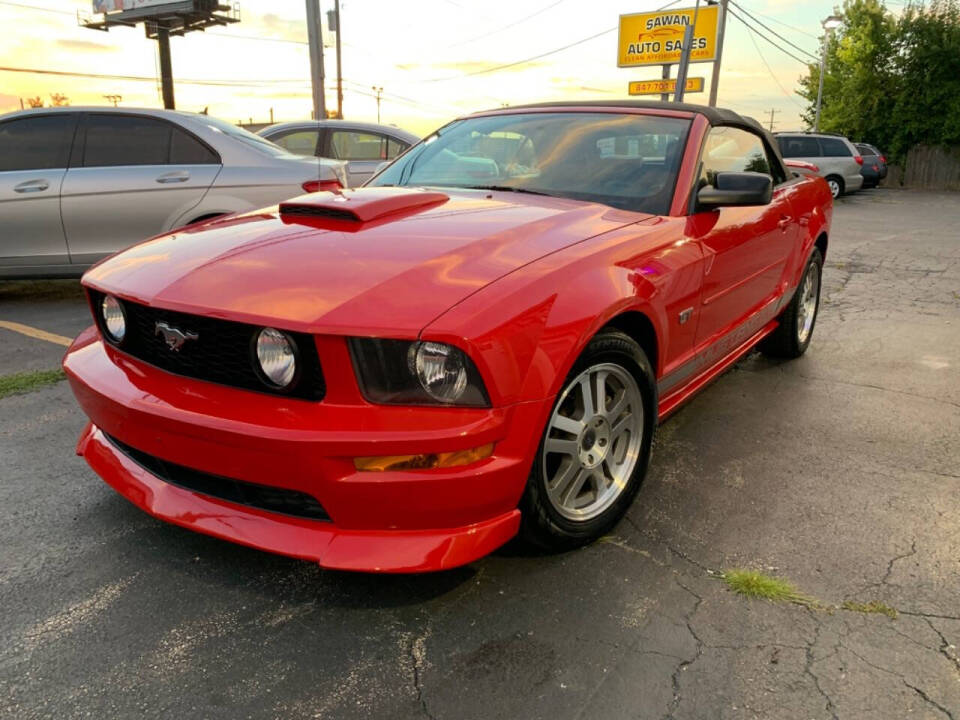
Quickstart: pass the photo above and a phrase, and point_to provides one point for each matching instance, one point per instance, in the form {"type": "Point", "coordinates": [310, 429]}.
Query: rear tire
{"type": "Point", "coordinates": [595, 449]}
{"type": "Point", "coordinates": [836, 186]}
{"type": "Point", "coordinates": [792, 337]}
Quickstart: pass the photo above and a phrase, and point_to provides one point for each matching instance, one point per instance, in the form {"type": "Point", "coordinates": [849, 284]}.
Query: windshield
{"type": "Point", "coordinates": [247, 138]}
{"type": "Point", "coordinates": [622, 160]}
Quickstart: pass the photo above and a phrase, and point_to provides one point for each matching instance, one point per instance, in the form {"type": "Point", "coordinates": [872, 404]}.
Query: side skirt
{"type": "Point", "coordinates": [672, 400]}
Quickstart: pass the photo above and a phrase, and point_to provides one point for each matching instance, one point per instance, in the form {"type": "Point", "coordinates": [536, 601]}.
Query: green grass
{"type": "Point", "coordinates": [874, 607]}
{"type": "Point", "coordinates": [28, 381]}
{"type": "Point", "coordinates": [754, 584]}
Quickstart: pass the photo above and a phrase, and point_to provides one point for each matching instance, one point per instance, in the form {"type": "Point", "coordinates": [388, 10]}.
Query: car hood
{"type": "Point", "coordinates": [375, 261]}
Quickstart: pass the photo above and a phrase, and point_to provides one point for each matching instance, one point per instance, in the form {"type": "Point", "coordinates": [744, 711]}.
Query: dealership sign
{"type": "Point", "coordinates": [657, 38]}
{"type": "Point", "coordinates": [661, 87]}
{"type": "Point", "coordinates": [109, 6]}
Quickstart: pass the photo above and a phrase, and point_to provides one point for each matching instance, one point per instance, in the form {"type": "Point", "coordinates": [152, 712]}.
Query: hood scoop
{"type": "Point", "coordinates": [360, 206]}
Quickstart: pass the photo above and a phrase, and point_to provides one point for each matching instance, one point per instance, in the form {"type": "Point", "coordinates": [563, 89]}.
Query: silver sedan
{"type": "Point", "coordinates": [78, 184]}
{"type": "Point", "coordinates": [364, 146]}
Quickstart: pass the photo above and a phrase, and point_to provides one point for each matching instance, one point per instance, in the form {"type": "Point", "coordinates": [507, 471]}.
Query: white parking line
{"type": "Point", "coordinates": [35, 333]}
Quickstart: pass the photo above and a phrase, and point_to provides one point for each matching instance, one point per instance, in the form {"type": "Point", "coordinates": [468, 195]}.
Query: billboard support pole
{"type": "Point", "coordinates": [339, 72]}
{"type": "Point", "coordinates": [685, 55]}
{"type": "Point", "coordinates": [166, 68]}
{"type": "Point", "coordinates": [665, 75]}
{"type": "Point", "coordinates": [715, 80]}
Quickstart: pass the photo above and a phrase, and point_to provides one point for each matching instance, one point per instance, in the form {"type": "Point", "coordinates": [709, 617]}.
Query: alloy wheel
{"type": "Point", "coordinates": [834, 188]}
{"type": "Point", "coordinates": [807, 307]}
{"type": "Point", "coordinates": [593, 441]}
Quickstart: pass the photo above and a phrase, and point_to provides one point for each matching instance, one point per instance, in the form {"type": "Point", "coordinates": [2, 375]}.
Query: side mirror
{"type": "Point", "coordinates": [736, 189]}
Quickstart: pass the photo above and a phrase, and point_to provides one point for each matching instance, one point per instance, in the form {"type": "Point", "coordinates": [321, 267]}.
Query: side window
{"type": "Point", "coordinates": [298, 142]}
{"type": "Point", "coordinates": [36, 142]}
{"type": "Point", "coordinates": [834, 147]}
{"type": "Point", "coordinates": [733, 150]}
{"type": "Point", "coordinates": [114, 140]}
{"type": "Point", "coordinates": [187, 150]}
{"type": "Point", "coordinates": [798, 147]}
{"type": "Point", "coordinates": [865, 150]}
{"type": "Point", "coordinates": [354, 145]}
{"type": "Point", "coordinates": [395, 147]}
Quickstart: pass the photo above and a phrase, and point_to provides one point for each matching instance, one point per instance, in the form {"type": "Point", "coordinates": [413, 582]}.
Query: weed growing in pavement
{"type": "Point", "coordinates": [28, 381]}
{"type": "Point", "coordinates": [752, 583]}
{"type": "Point", "coordinates": [874, 607]}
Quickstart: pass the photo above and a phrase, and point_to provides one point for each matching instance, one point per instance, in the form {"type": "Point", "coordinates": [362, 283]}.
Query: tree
{"type": "Point", "coordinates": [59, 100]}
{"type": "Point", "coordinates": [35, 102]}
{"type": "Point", "coordinates": [893, 82]}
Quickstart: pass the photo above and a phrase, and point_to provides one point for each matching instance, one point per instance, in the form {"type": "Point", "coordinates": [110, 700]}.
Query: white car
{"type": "Point", "coordinates": [78, 184]}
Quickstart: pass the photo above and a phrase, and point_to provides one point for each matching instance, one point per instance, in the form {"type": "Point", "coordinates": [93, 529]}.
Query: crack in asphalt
{"type": "Point", "coordinates": [945, 645]}
{"type": "Point", "coordinates": [684, 664]}
{"type": "Point", "coordinates": [416, 653]}
{"type": "Point", "coordinates": [913, 551]}
{"type": "Point", "coordinates": [810, 660]}
{"type": "Point", "coordinates": [929, 700]}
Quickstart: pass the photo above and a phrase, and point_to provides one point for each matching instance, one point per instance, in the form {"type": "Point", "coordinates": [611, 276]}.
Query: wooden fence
{"type": "Point", "coordinates": [931, 168]}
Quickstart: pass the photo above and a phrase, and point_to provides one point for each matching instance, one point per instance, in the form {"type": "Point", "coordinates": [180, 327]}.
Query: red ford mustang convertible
{"type": "Point", "coordinates": [479, 343]}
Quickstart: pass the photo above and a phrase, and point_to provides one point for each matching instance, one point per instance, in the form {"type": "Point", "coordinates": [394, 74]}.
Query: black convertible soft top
{"type": "Point", "coordinates": [716, 116]}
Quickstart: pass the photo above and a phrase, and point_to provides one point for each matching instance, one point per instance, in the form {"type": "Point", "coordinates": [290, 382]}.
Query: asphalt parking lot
{"type": "Point", "coordinates": [839, 471]}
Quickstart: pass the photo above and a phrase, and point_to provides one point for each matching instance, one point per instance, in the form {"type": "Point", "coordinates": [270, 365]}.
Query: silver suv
{"type": "Point", "coordinates": [838, 159]}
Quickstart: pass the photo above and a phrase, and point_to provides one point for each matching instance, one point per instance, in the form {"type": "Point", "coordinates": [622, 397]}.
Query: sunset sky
{"type": "Point", "coordinates": [430, 56]}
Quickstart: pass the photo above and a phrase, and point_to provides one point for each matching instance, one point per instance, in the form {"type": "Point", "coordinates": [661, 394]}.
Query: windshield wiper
{"type": "Point", "coordinates": [505, 188]}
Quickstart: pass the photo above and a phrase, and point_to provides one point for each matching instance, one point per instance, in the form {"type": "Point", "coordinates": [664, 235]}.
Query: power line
{"type": "Point", "coordinates": [37, 7]}
{"type": "Point", "coordinates": [144, 78]}
{"type": "Point", "coordinates": [754, 30]}
{"type": "Point", "coordinates": [769, 69]}
{"type": "Point", "coordinates": [504, 66]}
{"type": "Point", "coordinates": [788, 26]}
{"type": "Point", "coordinates": [767, 27]}
{"type": "Point", "coordinates": [505, 27]}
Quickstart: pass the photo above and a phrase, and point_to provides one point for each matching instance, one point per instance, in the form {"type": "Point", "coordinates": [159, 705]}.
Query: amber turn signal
{"type": "Point", "coordinates": [424, 461]}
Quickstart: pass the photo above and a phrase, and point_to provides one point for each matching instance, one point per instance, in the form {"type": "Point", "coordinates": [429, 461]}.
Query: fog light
{"type": "Point", "coordinates": [277, 357]}
{"type": "Point", "coordinates": [114, 320]}
{"type": "Point", "coordinates": [424, 461]}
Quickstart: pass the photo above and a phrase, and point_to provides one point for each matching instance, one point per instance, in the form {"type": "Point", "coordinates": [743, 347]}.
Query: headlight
{"type": "Point", "coordinates": [114, 319]}
{"type": "Point", "coordinates": [277, 357]}
{"type": "Point", "coordinates": [404, 372]}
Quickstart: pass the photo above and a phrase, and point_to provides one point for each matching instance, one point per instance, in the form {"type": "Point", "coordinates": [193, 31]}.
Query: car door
{"type": "Point", "coordinates": [746, 249]}
{"type": "Point", "coordinates": [363, 150]}
{"type": "Point", "coordinates": [34, 153]}
{"type": "Point", "coordinates": [299, 141]}
{"type": "Point", "coordinates": [132, 177]}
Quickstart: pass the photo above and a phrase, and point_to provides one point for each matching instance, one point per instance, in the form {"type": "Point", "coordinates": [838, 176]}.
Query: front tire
{"type": "Point", "coordinates": [792, 337]}
{"type": "Point", "coordinates": [595, 449]}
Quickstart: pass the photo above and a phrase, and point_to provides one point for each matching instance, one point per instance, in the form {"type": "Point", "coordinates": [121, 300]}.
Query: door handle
{"type": "Point", "coordinates": [32, 186]}
{"type": "Point", "coordinates": [784, 221]}
{"type": "Point", "coordinates": [174, 177]}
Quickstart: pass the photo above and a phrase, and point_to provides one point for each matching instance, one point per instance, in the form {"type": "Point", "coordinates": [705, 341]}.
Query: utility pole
{"type": "Point", "coordinates": [715, 79]}
{"type": "Point", "coordinates": [339, 72]}
{"type": "Point", "coordinates": [315, 41]}
{"type": "Point", "coordinates": [685, 55]}
{"type": "Point", "coordinates": [772, 112]}
{"type": "Point", "coordinates": [665, 75]}
{"type": "Point", "coordinates": [379, 92]}
{"type": "Point", "coordinates": [829, 24]}
{"type": "Point", "coordinates": [166, 67]}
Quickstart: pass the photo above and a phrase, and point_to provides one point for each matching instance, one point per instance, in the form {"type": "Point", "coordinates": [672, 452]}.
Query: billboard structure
{"type": "Point", "coordinates": [161, 19]}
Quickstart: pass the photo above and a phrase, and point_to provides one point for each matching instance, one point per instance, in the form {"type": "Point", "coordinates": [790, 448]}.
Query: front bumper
{"type": "Point", "coordinates": [410, 521]}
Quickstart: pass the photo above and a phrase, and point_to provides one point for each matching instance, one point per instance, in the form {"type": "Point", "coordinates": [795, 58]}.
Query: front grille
{"type": "Point", "coordinates": [221, 353]}
{"type": "Point", "coordinates": [264, 497]}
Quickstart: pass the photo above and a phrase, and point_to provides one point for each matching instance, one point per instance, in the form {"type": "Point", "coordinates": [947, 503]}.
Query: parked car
{"type": "Point", "coordinates": [838, 159]}
{"type": "Point", "coordinates": [364, 146]}
{"type": "Point", "coordinates": [77, 184]}
{"type": "Point", "coordinates": [404, 376]}
{"type": "Point", "coordinates": [874, 168]}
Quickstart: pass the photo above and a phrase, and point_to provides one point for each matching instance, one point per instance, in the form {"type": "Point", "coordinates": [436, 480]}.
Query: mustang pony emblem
{"type": "Point", "coordinates": [173, 337]}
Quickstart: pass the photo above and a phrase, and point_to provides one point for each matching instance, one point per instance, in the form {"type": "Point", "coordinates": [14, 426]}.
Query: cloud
{"type": "Point", "coordinates": [279, 27]}
{"type": "Point", "coordinates": [84, 45]}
